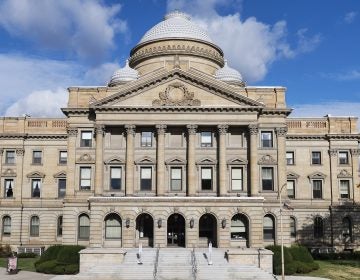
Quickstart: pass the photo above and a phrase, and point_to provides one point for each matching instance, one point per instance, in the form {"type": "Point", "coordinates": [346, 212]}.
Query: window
{"type": "Point", "coordinates": [266, 139]}
{"type": "Point", "coordinates": [146, 139]}
{"type": "Point", "coordinates": [59, 226]}
{"type": "Point", "coordinates": [34, 226]}
{"type": "Point", "coordinates": [343, 158]}
{"type": "Point", "coordinates": [317, 189]}
{"type": "Point", "coordinates": [9, 184]}
{"type": "Point", "coordinates": [236, 179]}
{"type": "Point", "coordinates": [84, 227]}
{"type": "Point", "coordinates": [291, 189]}
{"type": "Point", "coordinates": [85, 178]}
{"type": "Point", "coordinates": [238, 227]}
{"type": "Point", "coordinates": [37, 156]}
{"type": "Point", "coordinates": [315, 157]}
{"type": "Point", "coordinates": [292, 227]}
{"type": "Point", "coordinates": [206, 139]}
{"type": "Point", "coordinates": [269, 231]}
{"type": "Point", "coordinates": [347, 229]}
{"type": "Point", "coordinates": [35, 188]}
{"type": "Point", "coordinates": [86, 139]}
{"type": "Point", "coordinates": [115, 178]}
{"type": "Point", "coordinates": [344, 189]}
{"type": "Point", "coordinates": [6, 226]}
{"type": "Point", "coordinates": [112, 227]}
{"type": "Point", "coordinates": [206, 178]}
{"type": "Point", "coordinates": [10, 157]}
{"type": "Point", "coordinates": [290, 158]}
{"type": "Point", "coordinates": [63, 157]}
{"type": "Point", "coordinates": [176, 178]}
{"type": "Point", "coordinates": [145, 178]}
{"type": "Point", "coordinates": [61, 188]}
{"type": "Point", "coordinates": [267, 175]}
{"type": "Point", "coordinates": [318, 227]}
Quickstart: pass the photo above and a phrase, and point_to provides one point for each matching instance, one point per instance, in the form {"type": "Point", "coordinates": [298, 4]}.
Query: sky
{"type": "Point", "coordinates": [310, 47]}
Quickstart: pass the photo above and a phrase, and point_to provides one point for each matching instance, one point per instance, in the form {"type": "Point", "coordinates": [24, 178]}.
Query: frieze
{"type": "Point", "coordinates": [20, 152]}
{"type": "Point", "coordinates": [176, 94]}
{"type": "Point", "coordinates": [267, 159]}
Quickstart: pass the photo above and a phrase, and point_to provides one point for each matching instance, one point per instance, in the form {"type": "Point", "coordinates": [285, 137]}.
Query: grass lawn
{"type": "Point", "coordinates": [337, 270]}
{"type": "Point", "coordinates": [23, 264]}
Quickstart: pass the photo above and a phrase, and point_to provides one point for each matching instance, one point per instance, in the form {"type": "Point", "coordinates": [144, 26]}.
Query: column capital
{"type": "Point", "coordinates": [192, 128]}
{"type": "Point", "coordinates": [161, 129]}
{"type": "Point", "coordinates": [20, 152]}
{"type": "Point", "coordinates": [100, 129]}
{"type": "Point", "coordinates": [222, 128]}
{"type": "Point", "coordinates": [130, 129]}
{"type": "Point", "coordinates": [355, 152]}
{"type": "Point", "coordinates": [254, 129]}
{"type": "Point", "coordinates": [281, 131]}
{"type": "Point", "coordinates": [72, 131]}
{"type": "Point", "coordinates": [333, 152]}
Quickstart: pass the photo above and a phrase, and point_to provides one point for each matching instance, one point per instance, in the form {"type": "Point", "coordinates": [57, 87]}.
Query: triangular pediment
{"type": "Point", "coordinates": [292, 175]}
{"type": "Point", "coordinates": [317, 175]}
{"type": "Point", "coordinates": [176, 161]}
{"type": "Point", "coordinates": [35, 174]}
{"type": "Point", "coordinates": [206, 161]}
{"type": "Point", "coordinates": [61, 174]}
{"type": "Point", "coordinates": [145, 161]}
{"type": "Point", "coordinates": [114, 160]}
{"type": "Point", "coordinates": [237, 161]}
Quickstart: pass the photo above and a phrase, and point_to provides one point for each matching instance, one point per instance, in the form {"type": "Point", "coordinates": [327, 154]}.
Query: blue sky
{"type": "Point", "coordinates": [310, 47]}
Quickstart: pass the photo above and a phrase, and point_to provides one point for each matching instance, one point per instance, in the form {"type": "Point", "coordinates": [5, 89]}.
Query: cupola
{"type": "Point", "coordinates": [229, 75]}
{"type": "Point", "coordinates": [124, 75]}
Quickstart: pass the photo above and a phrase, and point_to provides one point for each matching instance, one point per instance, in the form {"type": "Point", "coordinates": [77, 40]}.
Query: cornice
{"type": "Point", "coordinates": [343, 136]}
{"type": "Point", "coordinates": [170, 109]}
{"type": "Point", "coordinates": [75, 111]}
{"type": "Point", "coordinates": [24, 136]}
{"type": "Point", "coordinates": [305, 137]}
{"type": "Point", "coordinates": [276, 111]}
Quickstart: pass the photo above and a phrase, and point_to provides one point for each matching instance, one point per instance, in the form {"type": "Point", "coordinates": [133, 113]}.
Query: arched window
{"type": "Point", "coordinates": [84, 227]}
{"type": "Point", "coordinates": [239, 227]}
{"type": "Point", "coordinates": [318, 227]}
{"type": "Point", "coordinates": [112, 226]}
{"type": "Point", "coordinates": [347, 228]}
{"type": "Point", "coordinates": [6, 222]}
{"type": "Point", "coordinates": [292, 227]}
{"type": "Point", "coordinates": [269, 228]}
{"type": "Point", "coordinates": [59, 225]}
{"type": "Point", "coordinates": [34, 226]}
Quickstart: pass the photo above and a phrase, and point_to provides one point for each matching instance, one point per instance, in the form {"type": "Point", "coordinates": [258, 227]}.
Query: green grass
{"type": "Point", "coordinates": [23, 264]}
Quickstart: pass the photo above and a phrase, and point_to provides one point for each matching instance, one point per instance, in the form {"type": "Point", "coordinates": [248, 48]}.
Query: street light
{"type": "Point", "coordinates": [281, 232]}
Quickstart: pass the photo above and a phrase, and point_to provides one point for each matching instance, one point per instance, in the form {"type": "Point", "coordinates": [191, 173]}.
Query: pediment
{"type": "Point", "coordinates": [85, 158]}
{"type": "Point", "coordinates": [267, 159]}
{"type": "Point", "coordinates": [344, 174]}
{"type": "Point", "coordinates": [206, 161]}
{"type": "Point", "coordinates": [114, 160]}
{"type": "Point", "coordinates": [35, 174]}
{"type": "Point", "coordinates": [9, 173]}
{"type": "Point", "coordinates": [175, 161]}
{"type": "Point", "coordinates": [292, 175]}
{"type": "Point", "coordinates": [61, 174]}
{"type": "Point", "coordinates": [237, 161]}
{"type": "Point", "coordinates": [145, 161]}
{"type": "Point", "coordinates": [317, 175]}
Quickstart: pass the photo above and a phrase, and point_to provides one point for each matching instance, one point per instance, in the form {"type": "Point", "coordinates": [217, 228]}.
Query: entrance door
{"type": "Point", "coordinates": [145, 230]}
{"type": "Point", "coordinates": [208, 230]}
{"type": "Point", "coordinates": [176, 231]}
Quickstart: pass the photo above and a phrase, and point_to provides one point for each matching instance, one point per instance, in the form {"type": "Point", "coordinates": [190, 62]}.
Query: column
{"type": "Point", "coordinates": [129, 181]}
{"type": "Point", "coordinates": [222, 130]}
{"type": "Point", "coordinates": [254, 180]}
{"type": "Point", "coordinates": [355, 163]}
{"type": "Point", "coordinates": [333, 177]}
{"type": "Point", "coordinates": [18, 188]}
{"type": "Point", "coordinates": [71, 149]}
{"type": "Point", "coordinates": [281, 158]}
{"type": "Point", "coordinates": [160, 161]}
{"type": "Point", "coordinates": [191, 170]}
{"type": "Point", "coordinates": [99, 131]}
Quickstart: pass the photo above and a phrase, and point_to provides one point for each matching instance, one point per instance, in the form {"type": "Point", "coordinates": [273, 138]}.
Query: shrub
{"type": "Point", "coordinates": [288, 259]}
{"type": "Point", "coordinates": [51, 253]}
{"type": "Point", "coordinates": [46, 267]}
{"type": "Point", "coordinates": [337, 256]}
{"type": "Point", "coordinates": [5, 250]}
{"type": "Point", "coordinates": [71, 269]}
{"type": "Point", "coordinates": [302, 267]}
{"type": "Point", "coordinates": [69, 254]}
{"type": "Point", "coordinates": [300, 253]}
{"type": "Point", "coordinates": [26, 255]}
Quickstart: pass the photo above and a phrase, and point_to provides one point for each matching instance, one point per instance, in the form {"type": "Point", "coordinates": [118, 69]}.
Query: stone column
{"type": "Point", "coordinates": [160, 161]}
{"type": "Point", "coordinates": [191, 170]}
{"type": "Point", "coordinates": [355, 153]}
{"type": "Point", "coordinates": [129, 182]}
{"type": "Point", "coordinates": [281, 158]}
{"type": "Point", "coordinates": [254, 180]}
{"type": "Point", "coordinates": [222, 130]}
{"type": "Point", "coordinates": [1, 160]}
{"type": "Point", "coordinates": [333, 177]}
{"type": "Point", "coordinates": [71, 150]}
{"type": "Point", "coordinates": [18, 189]}
{"type": "Point", "coordinates": [99, 131]}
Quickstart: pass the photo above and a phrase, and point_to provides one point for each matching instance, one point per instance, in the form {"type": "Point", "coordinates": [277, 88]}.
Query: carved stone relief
{"type": "Point", "coordinates": [176, 94]}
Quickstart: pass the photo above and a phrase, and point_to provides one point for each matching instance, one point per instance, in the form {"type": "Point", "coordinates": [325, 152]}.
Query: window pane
{"type": "Point", "coordinates": [146, 139]}
{"type": "Point", "coordinates": [9, 184]}
{"type": "Point", "coordinates": [86, 135]}
{"type": "Point", "coordinates": [34, 226]}
{"type": "Point", "coordinates": [269, 233]}
{"type": "Point", "coordinates": [292, 227]}
{"type": "Point", "coordinates": [266, 139]}
{"type": "Point", "coordinates": [236, 173]}
{"type": "Point", "coordinates": [291, 189]}
{"type": "Point", "coordinates": [63, 157]}
{"type": "Point", "coordinates": [267, 178]}
{"type": "Point", "coordinates": [316, 158]}
{"type": "Point", "coordinates": [176, 178]}
{"type": "Point", "coordinates": [115, 179]}
{"type": "Point", "coordinates": [59, 226]}
{"type": "Point", "coordinates": [289, 158]}
{"type": "Point", "coordinates": [344, 188]}
{"type": "Point", "coordinates": [36, 188]}
{"type": "Point", "coordinates": [206, 138]}
{"type": "Point", "coordinates": [175, 173]}
{"type": "Point", "coordinates": [236, 178]}
{"type": "Point", "coordinates": [6, 225]}
{"type": "Point", "coordinates": [37, 157]}
{"type": "Point", "coordinates": [343, 158]}
{"type": "Point", "coordinates": [10, 157]}
{"type": "Point", "coordinates": [85, 172]}
{"type": "Point", "coordinates": [62, 188]}
{"type": "Point", "coordinates": [206, 173]}
{"type": "Point", "coordinates": [116, 172]}
{"type": "Point", "coordinates": [145, 184]}
{"type": "Point", "coordinates": [146, 173]}
{"type": "Point", "coordinates": [317, 188]}
{"type": "Point", "coordinates": [112, 227]}
{"type": "Point", "coordinates": [85, 178]}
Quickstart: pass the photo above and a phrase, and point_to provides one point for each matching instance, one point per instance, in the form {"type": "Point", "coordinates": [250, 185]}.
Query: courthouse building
{"type": "Point", "coordinates": [177, 150]}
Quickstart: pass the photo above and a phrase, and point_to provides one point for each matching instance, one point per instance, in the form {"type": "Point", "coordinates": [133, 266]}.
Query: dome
{"type": "Point", "coordinates": [229, 75]}
{"type": "Point", "coordinates": [124, 75]}
{"type": "Point", "coordinates": [176, 25]}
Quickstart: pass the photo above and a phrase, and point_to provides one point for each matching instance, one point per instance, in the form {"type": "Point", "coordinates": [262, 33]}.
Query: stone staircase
{"type": "Point", "coordinates": [174, 264]}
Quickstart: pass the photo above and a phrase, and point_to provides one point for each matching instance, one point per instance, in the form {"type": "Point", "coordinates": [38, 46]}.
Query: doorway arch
{"type": "Point", "coordinates": [145, 230]}
{"type": "Point", "coordinates": [208, 229]}
{"type": "Point", "coordinates": [176, 231]}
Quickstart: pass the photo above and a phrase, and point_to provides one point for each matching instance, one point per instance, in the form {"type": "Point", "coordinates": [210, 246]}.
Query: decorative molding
{"type": "Point", "coordinates": [192, 128]}
{"type": "Point", "coordinates": [237, 161]}
{"type": "Point", "coordinates": [222, 128]}
{"type": "Point", "coordinates": [206, 161]}
{"type": "Point", "coordinates": [130, 129]}
{"type": "Point", "coordinates": [72, 131]}
{"type": "Point", "coordinates": [253, 129]}
{"type": "Point", "coordinates": [333, 152]}
{"type": "Point", "coordinates": [61, 174]}
{"type": "Point", "coordinates": [176, 94]}
{"type": "Point", "coordinates": [161, 129]}
{"type": "Point", "coordinates": [317, 175]}
{"type": "Point", "coordinates": [115, 160]}
{"type": "Point", "coordinates": [305, 137]}
{"type": "Point", "coordinates": [267, 159]}
{"type": "Point", "coordinates": [355, 152]}
{"type": "Point", "coordinates": [35, 174]}
{"type": "Point", "coordinates": [292, 175]}
{"type": "Point", "coordinates": [344, 174]}
{"type": "Point", "coordinates": [175, 109]}
{"type": "Point", "coordinates": [100, 129]}
{"type": "Point", "coordinates": [175, 161]}
{"type": "Point", "coordinates": [20, 152]}
{"type": "Point", "coordinates": [145, 161]}
{"type": "Point", "coordinates": [281, 131]}
{"type": "Point", "coordinates": [8, 173]}
{"type": "Point", "coordinates": [85, 158]}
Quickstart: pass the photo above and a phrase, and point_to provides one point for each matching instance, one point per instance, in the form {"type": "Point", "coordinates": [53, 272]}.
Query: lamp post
{"type": "Point", "coordinates": [281, 233]}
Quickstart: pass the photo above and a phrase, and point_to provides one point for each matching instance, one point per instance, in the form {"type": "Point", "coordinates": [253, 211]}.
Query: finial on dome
{"type": "Point", "coordinates": [124, 75]}
{"type": "Point", "coordinates": [177, 13]}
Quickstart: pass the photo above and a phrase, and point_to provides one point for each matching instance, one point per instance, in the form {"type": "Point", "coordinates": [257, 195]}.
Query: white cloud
{"type": "Point", "coordinates": [335, 108]}
{"type": "Point", "coordinates": [350, 17]}
{"type": "Point", "coordinates": [249, 45]}
{"type": "Point", "coordinates": [343, 76]}
{"type": "Point", "coordinates": [86, 28]}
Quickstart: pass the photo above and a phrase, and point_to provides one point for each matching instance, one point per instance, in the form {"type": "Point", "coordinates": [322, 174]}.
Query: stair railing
{"type": "Point", "coordinates": [193, 264]}
{"type": "Point", "coordinates": [156, 263]}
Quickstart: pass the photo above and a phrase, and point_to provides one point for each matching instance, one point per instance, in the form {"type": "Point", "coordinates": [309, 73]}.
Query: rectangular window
{"type": "Point", "coordinates": [206, 139]}
{"type": "Point", "coordinates": [317, 189]}
{"type": "Point", "coordinates": [145, 178]}
{"type": "Point", "coordinates": [343, 158]}
{"type": "Point", "coordinates": [35, 188]}
{"type": "Point", "coordinates": [266, 139]}
{"type": "Point", "coordinates": [9, 188]}
{"type": "Point", "coordinates": [206, 178]}
{"type": "Point", "coordinates": [63, 157]}
{"type": "Point", "coordinates": [176, 178]}
{"type": "Point", "coordinates": [290, 158]}
{"type": "Point", "coordinates": [267, 175]}
{"type": "Point", "coordinates": [291, 189]}
{"type": "Point", "coordinates": [60, 226]}
{"type": "Point", "coordinates": [85, 178]}
{"type": "Point", "coordinates": [115, 178]}
{"type": "Point", "coordinates": [315, 157]}
{"type": "Point", "coordinates": [37, 157]}
{"type": "Point", "coordinates": [10, 157]}
{"type": "Point", "coordinates": [146, 139]}
{"type": "Point", "coordinates": [86, 139]}
{"type": "Point", "coordinates": [344, 189]}
{"type": "Point", "coordinates": [61, 188]}
{"type": "Point", "coordinates": [236, 179]}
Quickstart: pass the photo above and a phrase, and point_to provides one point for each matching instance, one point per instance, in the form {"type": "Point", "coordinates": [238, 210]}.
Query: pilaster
{"type": "Point", "coordinates": [129, 181]}
{"type": "Point", "coordinates": [222, 130]}
{"type": "Point", "coordinates": [18, 188]}
{"type": "Point", "coordinates": [191, 190]}
{"type": "Point", "coordinates": [70, 181]}
{"type": "Point", "coordinates": [254, 180]}
{"type": "Point", "coordinates": [160, 170]}
{"type": "Point", "coordinates": [333, 176]}
{"type": "Point", "coordinates": [281, 157]}
{"type": "Point", "coordinates": [99, 131]}
{"type": "Point", "coordinates": [355, 153]}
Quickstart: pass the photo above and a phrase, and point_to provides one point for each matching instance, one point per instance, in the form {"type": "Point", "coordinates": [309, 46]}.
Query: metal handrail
{"type": "Point", "coordinates": [156, 263]}
{"type": "Point", "coordinates": [193, 264]}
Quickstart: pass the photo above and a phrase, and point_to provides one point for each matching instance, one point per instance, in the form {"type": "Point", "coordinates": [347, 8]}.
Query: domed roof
{"type": "Point", "coordinates": [229, 75]}
{"type": "Point", "coordinates": [124, 75]}
{"type": "Point", "coordinates": [176, 25]}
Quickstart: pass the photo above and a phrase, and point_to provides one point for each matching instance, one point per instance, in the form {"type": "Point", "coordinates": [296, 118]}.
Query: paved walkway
{"type": "Point", "coordinates": [301, 278]}
{"type": "Point", "coordinates": [23, 275]}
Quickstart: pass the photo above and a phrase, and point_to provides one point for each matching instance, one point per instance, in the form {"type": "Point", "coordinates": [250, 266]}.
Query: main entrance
{"type": "Point", "coordinates": [176, 230]}
{"type": "Point", "coordinates": [145, 230]}
{"type": "Point", "coordinates": [208, 230]}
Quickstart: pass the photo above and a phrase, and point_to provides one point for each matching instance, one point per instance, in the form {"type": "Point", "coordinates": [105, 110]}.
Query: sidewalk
{"type": "Point", "coordinates": [23, 275]}
{"type": "Point", "coordinates": [301, 278]}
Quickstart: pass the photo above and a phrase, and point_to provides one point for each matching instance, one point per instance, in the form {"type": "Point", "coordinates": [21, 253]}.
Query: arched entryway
{"type": "Point", "coordinates": [239, 231]}
{"type": "Point", "coordinates": [176, 230]}
{"type": "Point", "coordinates": [145, 230]}
{"type": "Point", "coordinates": [208, 230]}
